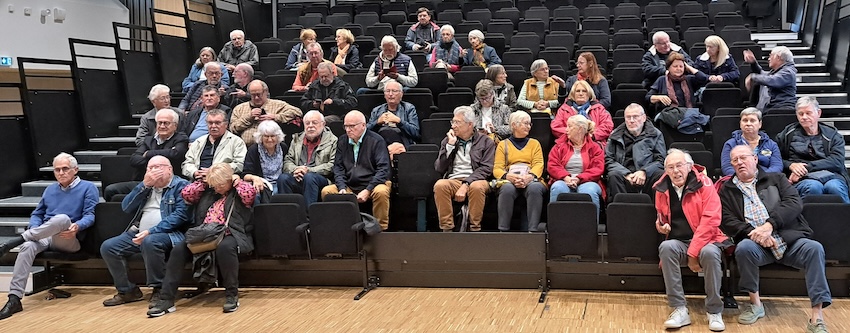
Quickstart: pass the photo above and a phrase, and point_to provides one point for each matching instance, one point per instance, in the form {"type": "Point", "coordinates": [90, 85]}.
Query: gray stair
{"type": "Point", "coordinates": [813, 67]}
{"type": "Point", "coordinates": [804, 58]}
{"type": "Point", "coordinates": [813, 77]}
{"type": "Point", "coordinates": [20, 202]}
{"type": "Point", "coordinates": [83, 168]}
{"type": "Point", "coordinates": [816, 87]}
{"type": "Point", "coordinates": [128, 130]}
{"type": "Point", "coordinates": [828, 98]}
{"type": "Point", "coordinates": [10, 226]}
{"type": "Point", "coordinates": [36, 188]}
{"type": "Point", "coordinates": [113, 142]}
{"type": "Point", "coordinates": [92, 156]}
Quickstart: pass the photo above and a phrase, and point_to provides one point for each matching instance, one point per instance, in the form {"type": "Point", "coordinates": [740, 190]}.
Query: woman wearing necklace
{"type": "Point", "coordinates": [767, 151]}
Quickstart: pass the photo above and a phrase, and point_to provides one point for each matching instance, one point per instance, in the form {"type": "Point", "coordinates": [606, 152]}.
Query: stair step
{"type": "Point", "coordinates": [137, 115]}
{"type": "Point", "coordinates": [774, 35]}
{"type": "Point", "coordinates": [812, 67]}
{"type": "Point", "coordinates": [793, 49]}
{"type": "Point", "coordinates": [83, 168]}
{"type": "Point", "coordinates": [36, 188]}
{"type": "Point", "coordinates": [834, 110]}
{"type": "Point", "coordinates": [129, 127]}
{"type": "Point", "coordinates": [813, 77]}
{"type": "Point", "coordinates": [24, 202]}
{"type": "Point", "coordinates": [804, 58]}
{"type": "Point", "coordinates": [92, 156]}
{"type": "Point", "coordinates": [818, 87]}
{"type": "Point", "coordinates": [828, 98]}
{"type": "Point", "coordinates": [113, 142]}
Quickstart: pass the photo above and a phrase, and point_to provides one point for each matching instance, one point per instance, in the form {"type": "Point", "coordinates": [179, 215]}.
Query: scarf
{"type": "Point", "coordinates": [447, 45]}
{"type": "Point", "coordinates": [581, 109]}
{"type": "Point", "coordinates": [272, 164]}
{"type": "Point", "coordinates": [340, 56]}
{"type": "Point", "coordinates": [478, 56]}
{"type": "Point", "coordinates": [686, 91]}
{"type": "Point", "coordinates": [580, 76]}
{"type": "Point", "coordinates": [519, 143]}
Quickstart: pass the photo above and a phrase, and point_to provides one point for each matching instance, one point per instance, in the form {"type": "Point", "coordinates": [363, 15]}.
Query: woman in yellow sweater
{"type": "Point", "coordinates": [519, 165]}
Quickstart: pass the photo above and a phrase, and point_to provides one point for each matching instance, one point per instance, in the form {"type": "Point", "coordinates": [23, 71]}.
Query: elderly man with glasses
{"type": "Point", "coordinates": [634, 155]}
{"type": "Point", "coordinates": [238, 50]}
{"type": "Point", "coordinates": [247, 116]}
{"type": "Point", "coordinates": [219, 146]}
{"type": "Point", "coordinates": [66, 208]}
{"type": "Point", "coordinates": [396, 121]}
{"type": "Point", "coordinates": [193, 97]}
{"type": "Point", "coordinates": [308, 166]}
{"type": "Point", "coordinates": [160, 97]}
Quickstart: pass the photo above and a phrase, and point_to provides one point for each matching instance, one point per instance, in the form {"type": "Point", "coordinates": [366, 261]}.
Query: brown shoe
{"type": "Point", "coordinates": [120, 298]}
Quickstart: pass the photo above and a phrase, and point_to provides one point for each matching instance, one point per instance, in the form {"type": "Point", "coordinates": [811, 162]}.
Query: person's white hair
{"type": "Point", "coordinates": [212, 65]}
{"type": "Point", "coordinates": [673, 151]}
{"type": "Point", "coordinates": [518, 116]}
{"type": "Point", "coordinates": [388, 39]}
{"type": "Point", "coordinates": [637, 107]}
{"type": "Point", "coordinates": [268, 127]}
{"type": "Point", "coordinates": [312, 113]}
{"type": "Point", "coordinates": [72, 161]}
{"type": "Point", "coordinates": [658, 35]}
{"type": "Point", "coordinates": [156, 90]}
{"type": "Point", "coordinates": [175, 118]}
{"type": "Point", "coordinates": [537, 64]}
{"type": "Point", "coordinates": [477, 34]}
{"type": "Point", "coordinates": [784, 54]}
{"type": "Point", "coordinates": [449, 28]}
{"type": "Point", "coordinates": [237, 32]}
{"type": "Point", "coordinates": [467, 113]}
{"type": "Point", "coordinates": [807, 101]}
{"type": "Point", "coordinates": [246, 67]}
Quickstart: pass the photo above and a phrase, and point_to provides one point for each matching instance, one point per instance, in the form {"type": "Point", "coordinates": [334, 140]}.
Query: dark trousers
{"type": "Point", "coordinates": [118, 188]}
{"type": "Point", "coordinates": [227, 260]}
{"type": "Point", "coordinates": [310, 186]}
{"type": "Point", "coordinates": [619, 184]}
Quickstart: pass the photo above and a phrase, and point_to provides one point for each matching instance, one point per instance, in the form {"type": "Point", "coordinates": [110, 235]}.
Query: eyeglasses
{"type": "Point", "coordinates": [392, 91]}
{"type": "Point", "coordinates": [212, 73]}
{"type": "Point", "coordinates": [679, 165]}
{"type": "Point", "coordinates": [62, 169]}
{"type": "Point", "coordinates": [523, 123]}
{"type": "Point", "coordinates": [163, 98]}
{"type": "Point", "coordinates": [351, 126]}
{"type": "Point", "coordinates": [164, 123]}
{"type": "Point", "coordinates": [458, 122]}
{"type": "Point", "coordinates": [741, 158]}
{"type": "Point", "coordinates": [214, 123]}
{"type": "Point", "coordinates": [633, 117]}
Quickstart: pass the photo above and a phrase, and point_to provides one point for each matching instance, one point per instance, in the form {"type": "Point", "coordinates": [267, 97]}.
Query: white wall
{"type": "Point", "coordinates": [26, 36]}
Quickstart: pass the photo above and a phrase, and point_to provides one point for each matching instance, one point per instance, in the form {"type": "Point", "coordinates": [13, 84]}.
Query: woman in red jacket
{"type": "Point", "coordinates": [576, 162]}
{"type": "Point", "coordinates": [689, 215]}
{"type": "Point", "coordinates": [582, 100]}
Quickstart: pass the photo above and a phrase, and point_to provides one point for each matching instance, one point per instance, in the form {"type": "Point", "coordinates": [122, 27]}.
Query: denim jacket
{"type": "Point", "coordinates": [175, 213]}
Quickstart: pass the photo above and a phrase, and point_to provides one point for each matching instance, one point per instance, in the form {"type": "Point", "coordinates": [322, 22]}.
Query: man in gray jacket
{"type": "Point", "coordinates": [238, 50]}
{"type": "Point", "coordinates": [634, 156]}
{"type": "Point", "coordinates": [308, 165]}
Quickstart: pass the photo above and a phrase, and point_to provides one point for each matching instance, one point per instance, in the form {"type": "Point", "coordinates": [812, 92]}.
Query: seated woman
{"type": "Point", "coordinates": [264, 160]}
{"type": "Point", "coordinates": [540, 92]}
{"type": "Point", "coordinates": [683, 84]}
{"type": "Point", "coordinates": [576, 162]}
{"type": "Point", "coordinates": [519, 161]}
{"type": "Point", "coordinates": [298, 54]}
{"type": "Point", "coordinates": [491, 113]}
{"type": "Point", "coordinates": [196, 72]}
{"type": "Point", "coordinates": [505, 92]}
{"type": "Point", "coordinates": [588, 71]}
{"type": "Point", "coordinates": [582, 101]}
{"type": "Point", "coordinates": [345, 54]}
{"type": "Point", "coordinates": [716, 61]}
{"type": "Point", "coordinates": [446, 52]}
{"type": "Point", "coordinates": [222, 197]}
{"type": "Point", "coordinates": [762, 146]}
{"type": "Point", "coordinates": [479, 54]}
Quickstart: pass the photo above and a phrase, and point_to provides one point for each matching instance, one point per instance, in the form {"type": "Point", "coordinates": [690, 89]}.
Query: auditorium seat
{"type": "Point", "coordinates": [571, 229]}
{"type": "Point", "coordinates": [631, 229]}
{"type": "Point", "coordinates": [829, 227]}
{"type": "Point", "coordinates": [275, 230]}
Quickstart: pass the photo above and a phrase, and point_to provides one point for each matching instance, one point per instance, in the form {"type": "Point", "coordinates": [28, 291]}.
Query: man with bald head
{"type": "Point", "coordinates": [247, 116]}
{"type": "Point", "coordinates": [308, 166]}
{"type": "Point", "coordinates": [330, 95]}
{"type": "Point", "coordinates": [362, 167]}
{"type": "Point", "coordinates": [237, 93]}
{"type": "Point", "coordinates": [308, 71]}
{"type": "Point", "coordinates": [159, 220]}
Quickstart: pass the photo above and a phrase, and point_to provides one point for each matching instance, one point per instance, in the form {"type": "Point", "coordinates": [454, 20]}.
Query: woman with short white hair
{"type": "Point", "coordinates": [518, 167]}
{"type": "Point", "coordinates": [479, 54]}
{"type": "Point", "coordinates": [446, 52]}
{"type": "Point", "coordinates": [264, 160]}
{"type": "Point", "coordinates": [540, 92]}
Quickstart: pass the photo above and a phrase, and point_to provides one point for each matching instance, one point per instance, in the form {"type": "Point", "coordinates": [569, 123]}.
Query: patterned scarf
{"type": "Point", "coordinates": [581, 109]}
{"type": "Point", "coordinates": [340, 56]}
{"type": "Point", "coordinates": [272, 164]}
{"type": "Point", "coordinates": [681, 80]}
{"type": "Point", "coordinates": [478, 56]}
{"type": "Point", "coordinates": [756, 214]}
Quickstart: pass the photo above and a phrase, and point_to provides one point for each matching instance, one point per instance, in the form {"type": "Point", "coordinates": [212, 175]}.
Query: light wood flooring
{"type": "Point", "coordinates": [400, 310]}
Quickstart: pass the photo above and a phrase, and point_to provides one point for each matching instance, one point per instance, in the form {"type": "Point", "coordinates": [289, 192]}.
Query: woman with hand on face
{"type": "Point", "coordinates": [540, 92]}
{"type": "Point", "coordinates": [588, 71]}
{"type": "Point", "coordinates": [678, 86]}
{"type": "Point", "coordinates": [716, 61]}
{"type": "Point", "coordinates": [519, 160]}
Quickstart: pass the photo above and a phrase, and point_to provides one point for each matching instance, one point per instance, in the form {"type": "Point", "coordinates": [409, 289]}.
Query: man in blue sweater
{"type": "Point", "coordinates": [65, 209]}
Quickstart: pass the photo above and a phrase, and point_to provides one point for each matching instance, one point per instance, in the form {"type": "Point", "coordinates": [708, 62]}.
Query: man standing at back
{"type": "Point", "coordinates": [65, 209]}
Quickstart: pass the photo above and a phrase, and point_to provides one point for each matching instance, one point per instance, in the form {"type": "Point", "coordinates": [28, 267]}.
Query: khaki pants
{"type": "Point", "coordinates": [444, 193]}
{"type": "Point", "coordinates": [380, 196]}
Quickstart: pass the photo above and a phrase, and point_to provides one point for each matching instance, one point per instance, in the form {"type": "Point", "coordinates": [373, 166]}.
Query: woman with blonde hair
{"type": "Point", "coordinates": [519, 164]}
{"type": "Point", "coordinates": [196, 72]}
{"type": "Point", "coordinates": [345, 54]}
{"type": "Point", "coordinates": [716, 61]}
{"type": "Point", "coordinates": [298, 54]}
{"type": "Point", "coordinates": [588, 71]}
{"type": "Point", "coordinates": [576, 162]}
{"type": "Point", "coordinates": [581, 101]}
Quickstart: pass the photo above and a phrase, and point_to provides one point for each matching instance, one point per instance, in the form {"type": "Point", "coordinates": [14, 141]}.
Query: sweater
{"type": "Point", "coordinates": [531, 154]}
{"type": "Point", "coordinates": [78, 203]}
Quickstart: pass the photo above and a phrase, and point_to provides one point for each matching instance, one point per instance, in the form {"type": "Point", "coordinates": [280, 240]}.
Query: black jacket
{"type": "Point", "coordinates": [779, 197]}
{"type": "Point", "coordinates": [253, 164]}
{"type": "Point", "coordinates": [339, 91]}
{"type": "Point", "coordinates": [240, 221]}
{"type": "Point", "coordinates": [174, 149]}
{"type": "Point", "coordinates": [373, 164]}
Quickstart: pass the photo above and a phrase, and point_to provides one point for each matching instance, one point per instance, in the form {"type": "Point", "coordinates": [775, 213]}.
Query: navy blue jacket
{"type": "Point", "coordinates": [781, 84]}
{"type": "Point", "coordinates": [728, 70]}
{"type": "Point", "coordinates": [372, 167]}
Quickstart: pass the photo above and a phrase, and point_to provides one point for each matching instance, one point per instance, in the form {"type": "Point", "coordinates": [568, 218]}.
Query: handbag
{"type": "Point", "coordinates": [209, 229]}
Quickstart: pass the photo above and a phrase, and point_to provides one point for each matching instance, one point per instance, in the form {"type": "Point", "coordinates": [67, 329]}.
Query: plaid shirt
{"type": "Point", "coordinates": [756, 214]}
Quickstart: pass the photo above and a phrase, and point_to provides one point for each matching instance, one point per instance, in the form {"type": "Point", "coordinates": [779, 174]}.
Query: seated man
{"type": "Point", "coordinates": [778, 88]}
{"type": "Point", "coordinates": [330, 95]}
{"type": "Point", "coordinates": [160, 97]}
{"type": "Point", "coordinates": [396, 121]}
{"type": "Point", "coordinates": [770, 229]}
{"type": "Point", "coordinates": [654, 60]}
{"type": "Point", "coordinates": [167, 142]}
{"type": "Point", "coordinates": [634, 155]}
{"type": "Point", "coordinates": [160, 217]}
{"type": "Point", "coordinates": [247, 116]}
{"type": "Point", "coordinates": [65, 209]}
{"type": "Point", "coordinates": [237, 93]}
{"type": "Point", "coordinates": [466, 161]}
{"type": "Point", "coordinates": [308, 71]}
{"type": "Point", "coordinates": [308, 166]}
{"type": "Point", "coordinates": [689, 215]}
{"type": "Point", "coordinates": [195, 121]}
{"type": "Point", "coordinates": [193, 96]}
{"type": "Point", "coordinates": [813, 153]}
{"type": "Point", "coordinates": [390, 65]}
{"type": "Point", "coordinates": [362, 167]}
{"type": "Point", "coordinates": [238, 50]}
{"type": "Point", "coordinates": [219, 146]}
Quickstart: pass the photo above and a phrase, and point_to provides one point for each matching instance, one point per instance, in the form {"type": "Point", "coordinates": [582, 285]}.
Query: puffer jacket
{"type": "Point", "coordinates": [648, 152]}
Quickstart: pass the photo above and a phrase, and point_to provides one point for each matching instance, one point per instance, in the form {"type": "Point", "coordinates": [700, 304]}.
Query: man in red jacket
{"type": "Point", "coordinates": [689, 214]}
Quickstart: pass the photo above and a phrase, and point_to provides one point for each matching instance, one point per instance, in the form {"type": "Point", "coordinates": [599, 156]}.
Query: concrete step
{"type": "Point", "coordinates": [137, 115]}
{"type": "Point", "coordinates": [804, 58]}
{"type": "Point", "coordinates": [114, 142]}
{"type": "Point", "coordinates": [816, 87]}
{"type": "Point", "coordinates": [813, 77]}
{"type": "Point", "coordinates": [83, 168]}
{"type": "Point", "coordinates": [794, 49]}
{"type": "Point", "coordinates": [127, 130]}
{"type": "Point", "coordinates": [812, 67]}
{"type": "Point", "coordinates": [36, 188]}
{"type": "Point", "coordinates": [92, 156]}
{"type": "Point", "coordinates": [10, 226]}
{"type": "Point", "coordinates": [828, 98]}
{"type": "Point", "coordinates": [24, 202]}
{"type": "Point", "coordinates": [774, 35]}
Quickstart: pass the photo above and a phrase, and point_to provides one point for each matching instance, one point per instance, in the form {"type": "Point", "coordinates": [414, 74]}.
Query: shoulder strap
{"type": "Point", "coordinates": [506, 155]}
{"type": "Point", "coordinates": [232, 205]}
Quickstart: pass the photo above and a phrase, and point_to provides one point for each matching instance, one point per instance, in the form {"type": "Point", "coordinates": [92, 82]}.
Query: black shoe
{"type": "Point", "coordinates": [231, 304]}
{"type": "Point", "coordinates": [163, 307]}
{"type": "Point", "coordinates": [156, 296]}
{"type": "Point", "coordinates": [121, 298]}
{"type": "Point", "coordinates": [11, 244]}
{"type": "Point", "coordinates": [13, 306]}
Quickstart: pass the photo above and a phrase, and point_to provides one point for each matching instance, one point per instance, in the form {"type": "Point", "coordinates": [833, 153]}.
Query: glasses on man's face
{"type": "Point", "coordinates": [351, 126]}
{"type": "Point", "coordinates": [163, 98]}
{"type": "Point", "coordinates": [215, 123]}
{"type": "Point", "coordinates": [677, 166]}
{"type": "Point", "coordinates": [63, 170]}
{"type": "Point", "coordinates": [392, 91]}
{"type": "Point", "coordinates": [633, 117]}
{"type": "Point", "coordinates": [164, 123]}
{"type": "Point", "coordinates": [457, 122]}
{"type": "Point", "coordinates": [212, 73]}
{"type": "Point", "coordinates": [741, 158]}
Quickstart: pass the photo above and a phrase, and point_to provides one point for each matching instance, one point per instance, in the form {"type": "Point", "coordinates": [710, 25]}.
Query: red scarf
{"type": "Point", "coordinates": [686, 91]}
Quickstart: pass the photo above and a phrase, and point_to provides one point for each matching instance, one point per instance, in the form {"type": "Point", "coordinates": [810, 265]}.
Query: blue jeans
{"type": "Point", "coordinates": [833, 186]}
{"type": "Point", "coordinates": [589, 188]}
{"type": "Point", "coordinates": [310, 186]}
{"type": "Point", "coordinates": [805, 254]}
{"type": "Point", "coordinates": [154, 249]}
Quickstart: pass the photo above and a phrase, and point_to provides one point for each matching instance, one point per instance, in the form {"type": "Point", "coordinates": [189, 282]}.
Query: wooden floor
{"type": "Point", "coordinates": [400, 310]}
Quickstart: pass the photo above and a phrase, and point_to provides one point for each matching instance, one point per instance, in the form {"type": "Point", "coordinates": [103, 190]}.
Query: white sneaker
{"type": "Point", "coordinates": [678, 318]}
{"type": "Point", "coordinates": [715, 322]}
